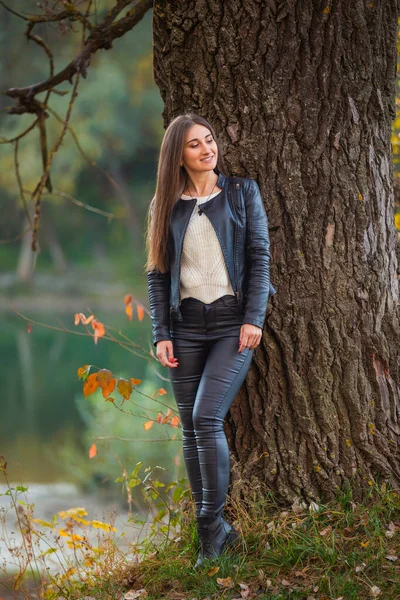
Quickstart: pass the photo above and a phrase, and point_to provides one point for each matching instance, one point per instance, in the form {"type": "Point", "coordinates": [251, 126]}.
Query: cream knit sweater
{"type": "Point", "coordinates": [203, 271]}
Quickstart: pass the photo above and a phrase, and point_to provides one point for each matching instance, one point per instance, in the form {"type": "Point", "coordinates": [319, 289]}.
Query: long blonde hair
{"type": "Point", "coordinates": [171, 181]}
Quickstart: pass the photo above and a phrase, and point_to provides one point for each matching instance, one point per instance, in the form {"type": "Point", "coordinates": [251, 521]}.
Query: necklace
{"type": "Point", "coordinates": [200, 212]}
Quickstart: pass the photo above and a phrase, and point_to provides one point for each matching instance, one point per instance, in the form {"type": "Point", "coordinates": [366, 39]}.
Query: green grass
{"type": "Point", "coordinates": [338, 551]}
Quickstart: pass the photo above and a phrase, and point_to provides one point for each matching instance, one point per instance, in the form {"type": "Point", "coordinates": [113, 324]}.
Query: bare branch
{"type": "Point", "coordinates": [101, 37]}
{"type": "Point", "coordinates": [36, 196]}
{"type": "Point", "coordinates": [21, 191]}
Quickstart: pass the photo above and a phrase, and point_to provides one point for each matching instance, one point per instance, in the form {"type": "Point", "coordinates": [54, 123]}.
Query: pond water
{"type": "Point", "coordinates": [47, 426]}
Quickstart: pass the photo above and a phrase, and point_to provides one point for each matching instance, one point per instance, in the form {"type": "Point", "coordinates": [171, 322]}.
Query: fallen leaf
{"type": "Point", "coordinates": [134, 594]}
{"type": "Point", "coordinates": [227, 582]}
{"type": "Point", "coordinates": [375, 591]}
{"type": "Point", "coordinates": [326, 530]}
{"type": "Point", "coordinates": [212, 571]}
{"type": "Point", "coordinates": [365, 544]}
{"type": "Point", "coordinates": [391, 530]}
{"type": "Point", "coordinates": [391, 557]}
{"type": "Point", "coordinates": [285, 582]}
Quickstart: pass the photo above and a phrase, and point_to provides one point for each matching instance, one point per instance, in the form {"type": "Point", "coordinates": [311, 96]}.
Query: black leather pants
{"type": "Point", "coordinates": [205, 383]}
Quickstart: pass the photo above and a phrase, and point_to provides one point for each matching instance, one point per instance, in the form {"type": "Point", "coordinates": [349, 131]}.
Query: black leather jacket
{"type": "Point", "coordinates": [241, 224]}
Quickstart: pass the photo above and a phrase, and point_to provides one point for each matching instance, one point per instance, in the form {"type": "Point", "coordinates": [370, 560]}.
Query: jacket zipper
{"type": "Point", "coordinates": [238, 295]}
{"type": "Point", "coordinates": [180, 254]}
{"type": "Point", "coordinates": [224, 255]}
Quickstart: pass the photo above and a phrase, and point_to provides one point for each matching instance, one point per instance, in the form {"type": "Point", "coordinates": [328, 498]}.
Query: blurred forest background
{"type": "Point", "coordinates": [87, 261]}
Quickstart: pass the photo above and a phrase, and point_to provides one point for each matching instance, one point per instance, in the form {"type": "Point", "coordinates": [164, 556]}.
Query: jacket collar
{"type": "Point", "coordinates": [221, 181]}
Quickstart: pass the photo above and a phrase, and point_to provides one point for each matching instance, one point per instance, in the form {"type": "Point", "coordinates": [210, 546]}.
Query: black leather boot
{"type": "Point", "coordinates": [215, 534]}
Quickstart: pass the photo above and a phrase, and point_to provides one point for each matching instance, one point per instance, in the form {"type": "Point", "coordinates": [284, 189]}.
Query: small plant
{"type": "Point", "coordinates": [72, 556]}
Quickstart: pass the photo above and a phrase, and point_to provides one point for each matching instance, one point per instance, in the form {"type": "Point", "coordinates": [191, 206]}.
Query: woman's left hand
{"type": "Point", "coordinates": [250, 337]}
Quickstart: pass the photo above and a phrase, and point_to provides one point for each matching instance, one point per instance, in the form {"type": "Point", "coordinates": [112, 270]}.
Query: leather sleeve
{"type": "Point", "coordinates": [257, 257]}
{"type": "Point", "coordinates": [158, 285]}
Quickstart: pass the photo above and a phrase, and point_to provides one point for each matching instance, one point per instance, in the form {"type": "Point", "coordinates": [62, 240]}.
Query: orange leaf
{"type": "Point", "coordinates": [135, 381]}
{"type": "Point", "coordinates": [77, 319]}
{"type": "Point", "coordinates": [29, 327]}
{"type": "Point", "coordinates": [92, 451]}
{"type": "Point", "coordinates": [89, 320]}
{"type": "Point", "coordinates": [148, 425]}
{"type": "Point", "coordinates": [99, 330]}
{"type": "Point", "coordinates": [106, 381]}
{"type": "Point", "coordinates": [227, 582]}
{"type": "Point", "coordinates": [174, 421]}
{"type": "Point", "coordinates": [127, 299]}
{"type": "Point", "coordinates": [124, 388]}
{"type": "Point", "coordinates": [82, 371]}
{"type": "Point", "coordinates": [140, 312]}
{"type": "Point", "coordinates": [129, 311]}
{"type": "Point", "coordinates": [161, 392]}
{"type": "Point", "coordinates": [159, 418]}
{"type": "Point", "coordinates": [91, 384]}
{"type": "Point", "coordinates": [167, 416]}
{"type": "Point", "coordinates": [82, 317]}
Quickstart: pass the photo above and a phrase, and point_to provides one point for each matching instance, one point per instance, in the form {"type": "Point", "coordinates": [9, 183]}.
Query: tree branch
{"type": "Point", "coordinates": [101, 37]}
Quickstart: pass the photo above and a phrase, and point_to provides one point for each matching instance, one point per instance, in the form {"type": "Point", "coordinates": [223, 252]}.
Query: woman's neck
{"type": "Point", "coordinates": [201, 185]}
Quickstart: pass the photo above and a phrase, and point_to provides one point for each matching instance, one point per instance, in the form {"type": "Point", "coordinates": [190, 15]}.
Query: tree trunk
{"type": "Point", "coordinates": [301, 94]}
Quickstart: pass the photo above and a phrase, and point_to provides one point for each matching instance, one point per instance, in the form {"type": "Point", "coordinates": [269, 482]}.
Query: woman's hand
{"type": "Point", "coordinates": [250, 336]}
{"type": "Point", "coordinates": [165, 354]}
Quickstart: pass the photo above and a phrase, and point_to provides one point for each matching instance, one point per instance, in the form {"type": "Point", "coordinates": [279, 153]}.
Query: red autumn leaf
{"type": "Point", "coordinates": [29, 327]}
{"type": "Point", "coordinates": [124, 388]}
{"type": "Point", "coordinates": [92, 451]}
{"type": "Point", "coordinates": [148, 425]}
{"type": "Point", "coordinates": [135, 381]}
{"type": "Point", "coordinates": [91, 384]}
{"type": "Point", "coordinates": [174, 421]}
{"type": "Point", "coordinates": [140, 312]}
{"type": "Point", "coordinates": [128, 299]}
{"type": "Point", "coordinates": [159, 418]}
{"type": "Point", "coordinates": [161, 392]}
{"type": "Point", "coordinates": [106, 381]}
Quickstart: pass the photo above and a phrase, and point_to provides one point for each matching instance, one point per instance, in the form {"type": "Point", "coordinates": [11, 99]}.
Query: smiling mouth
{"type": "Point", "coordinates": [208, 158]}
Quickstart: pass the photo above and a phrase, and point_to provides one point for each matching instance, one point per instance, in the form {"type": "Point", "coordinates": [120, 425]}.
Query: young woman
{"type": "Point", "coordinates": [209, 283]}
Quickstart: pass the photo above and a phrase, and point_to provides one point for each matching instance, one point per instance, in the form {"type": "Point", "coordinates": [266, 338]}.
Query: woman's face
{"type": "Point", "coordinates": [200, 151]}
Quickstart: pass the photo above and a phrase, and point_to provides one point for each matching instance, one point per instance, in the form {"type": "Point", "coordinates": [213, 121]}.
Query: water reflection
{"type": "Point", "coordinates": [47, 426]}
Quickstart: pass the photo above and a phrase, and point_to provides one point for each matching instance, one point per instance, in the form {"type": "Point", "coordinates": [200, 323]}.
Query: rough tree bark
{"type": "Point", "coordinates": [301, 93]}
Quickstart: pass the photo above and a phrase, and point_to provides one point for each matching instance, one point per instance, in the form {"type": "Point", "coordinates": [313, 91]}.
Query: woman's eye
{"type": "Point", "coordinates": [209, 141]}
